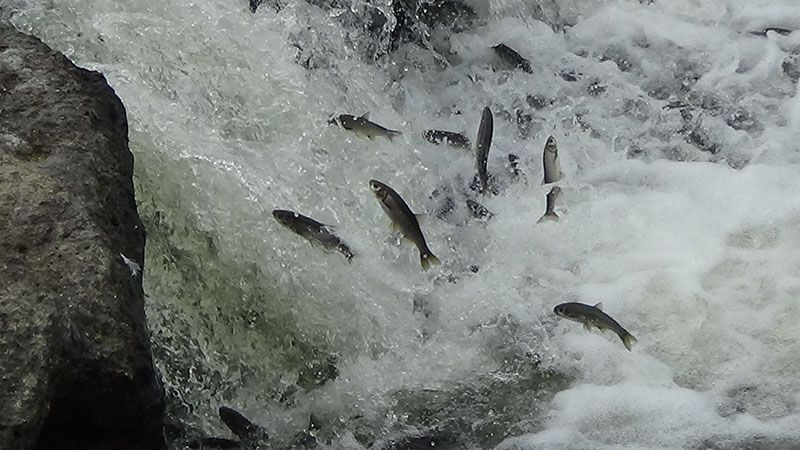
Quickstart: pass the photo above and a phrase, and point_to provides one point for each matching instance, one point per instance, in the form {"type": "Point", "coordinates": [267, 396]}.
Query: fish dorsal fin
{"type": "Point", "coordinates": [599, 306]}
{"type": "Point", "coordinates": [421, 218]}
{"type": "Point", "coordinates": [365, 116]}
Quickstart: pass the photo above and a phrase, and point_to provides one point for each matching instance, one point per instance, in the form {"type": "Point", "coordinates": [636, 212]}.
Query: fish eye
{"type": "Point", "coordinates": [374, 186]}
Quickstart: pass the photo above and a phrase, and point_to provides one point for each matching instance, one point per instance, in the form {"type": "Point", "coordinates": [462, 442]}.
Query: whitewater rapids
{"type": "Point", "coordinates": [679, 134]}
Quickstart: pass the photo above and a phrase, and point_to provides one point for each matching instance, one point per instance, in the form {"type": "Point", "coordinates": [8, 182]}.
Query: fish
{"type": "Point", "coordinates": [511, 56]}
{"type": "Point", "coordinates": [482, 145]}
{"type": "Point", "coordinates": [318, 234]}
{"type": "Point", "coordinates": [241, 426]}
{"type": "Point", "coordinates": [550, 210]}
{"type": "Point", "coordinates": [593, 316]}
{"type": "Point", "coordinates": [363, 127]}
{"type": "Point", "coordinates": [133, 266]}
{"type": "Point", "coordinates": [552, 167]}
{"type": "Point", "coordinates": [453, 139]}
{"type": "Point", "coordinates": [404, 220]}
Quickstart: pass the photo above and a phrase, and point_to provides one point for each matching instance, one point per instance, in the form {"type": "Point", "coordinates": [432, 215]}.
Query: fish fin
{"type": "Point", "coordinates": [365, 116]}
{"type": "Point", "coordinates": [394, 226]}
{"type": "Point", "coordinates": [428, 258]}
{"type": "Point", "coordinates": [546, 217]}
{"type": "Point", "coordinates": [587, 326]}
{"type": "Point", "coordinates": [421, 218]}
{"type": "Point", "coordinates": [599, 306]}
{"type": "Point", "coordinates": [628, 340]}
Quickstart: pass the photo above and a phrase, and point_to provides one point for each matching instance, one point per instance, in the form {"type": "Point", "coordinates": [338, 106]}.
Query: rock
{"type": "Point", "coordinates": [791, 67]}
{"type": "Point", "coordinates": [413, 21]}
{"type": "Point", "coordinates": [741, 119]}
{"type": "Point", "coordinates": [570, 75]}
{"type": "Point", "coordinates": [74, 350]}
{"type": "Point", "coordinates": [619, 56]}
{"type": "Point", "coordinates": [537, 101]}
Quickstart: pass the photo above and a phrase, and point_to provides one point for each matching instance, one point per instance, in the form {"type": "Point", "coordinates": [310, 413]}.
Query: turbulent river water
{"type": "Point", "coordinates": [679, 134]}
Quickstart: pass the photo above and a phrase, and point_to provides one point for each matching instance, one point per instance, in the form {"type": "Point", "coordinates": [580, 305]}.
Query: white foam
{"type": "Point", "coordinates": [697, 259]}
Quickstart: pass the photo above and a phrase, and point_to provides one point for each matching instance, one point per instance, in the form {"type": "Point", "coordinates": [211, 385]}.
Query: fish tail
{"type": "Point", "coordinates": [628, 340]}
{"type": "Point", "coordinates": [391, 134]}
{"type": "Point", "coordinates": [548, 216]}
{"type": "Point", "coordinates": [427, 258]}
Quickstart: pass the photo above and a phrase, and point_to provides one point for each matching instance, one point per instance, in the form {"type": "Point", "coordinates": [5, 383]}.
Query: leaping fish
{"type": "Point", "coordinates": [552, 167]}
{"type": "Point", "coordinates": [363, 127]}
{"type": "Point", "coordinates": [593, 316]}
{"type": "Point", "coordinates": [318, 234]}
{"type": "Point", "coordinates": [482, 145]}
{"type": "Point", "coordinates": [404, 219]}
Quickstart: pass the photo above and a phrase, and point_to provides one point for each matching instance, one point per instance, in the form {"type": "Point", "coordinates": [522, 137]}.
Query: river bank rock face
{"type": "Point", "coordinates": [75, 365]}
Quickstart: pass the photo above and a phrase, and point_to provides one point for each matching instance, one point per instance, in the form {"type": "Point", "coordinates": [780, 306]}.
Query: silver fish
{"type": "Point", "coordinates": [552, 167]}
{"type": "Point", "coordinates": [315, 232]}
{"type": "Point", "coordinates": [593, 316]}
{"type": "Point", "coordinates": [363, 127]}
{"type": "Point", "coordinates": [404, 220]}
{"type": "Point", "coordinates": [482, 145]}
{"type": "Point", "coordinates": [453, 139]}
{"type": "Point", "coordinates": [133, 266]}
{"type": "Point", "coordinates": [550, 210]}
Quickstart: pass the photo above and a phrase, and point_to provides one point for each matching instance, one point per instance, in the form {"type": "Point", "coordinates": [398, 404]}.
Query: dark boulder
{"type": "Point", "coordinates": [74, 350]}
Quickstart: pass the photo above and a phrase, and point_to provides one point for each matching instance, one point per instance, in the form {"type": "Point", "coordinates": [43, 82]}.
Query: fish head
{"type": "Point", "coordinates": [283, 216]}
{"type": "Point", "coordinates": [379, 189]}
{"type": "Point", "coordinates": [347, 121]}
{"type": "Point", "coordinates": [563, 310]}
{"type": "Point", "coordinates": [550, 145]}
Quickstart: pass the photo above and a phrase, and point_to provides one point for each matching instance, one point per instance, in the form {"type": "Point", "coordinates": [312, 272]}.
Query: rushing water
{"type": "Point", "coordinates": [679, 133]}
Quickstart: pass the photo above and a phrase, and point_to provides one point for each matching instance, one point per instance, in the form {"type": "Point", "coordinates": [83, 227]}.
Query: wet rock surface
{"type": "Point", "coordinates": [74, 348]}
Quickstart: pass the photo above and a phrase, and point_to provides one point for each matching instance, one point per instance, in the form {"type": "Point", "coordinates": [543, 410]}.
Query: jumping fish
{"type": "Point", "coordinates": [404, 220]}
{"type": "Point", "coordinates": [593, 316]}
{"type": "Point", "coordinates": [482, 145]}
{"type": "Point", "coordinates": [552, 167]}
{"type": "Point", "coordinates": [363, 127]}
{"type": "Point", "coordinates": [318, 234]}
